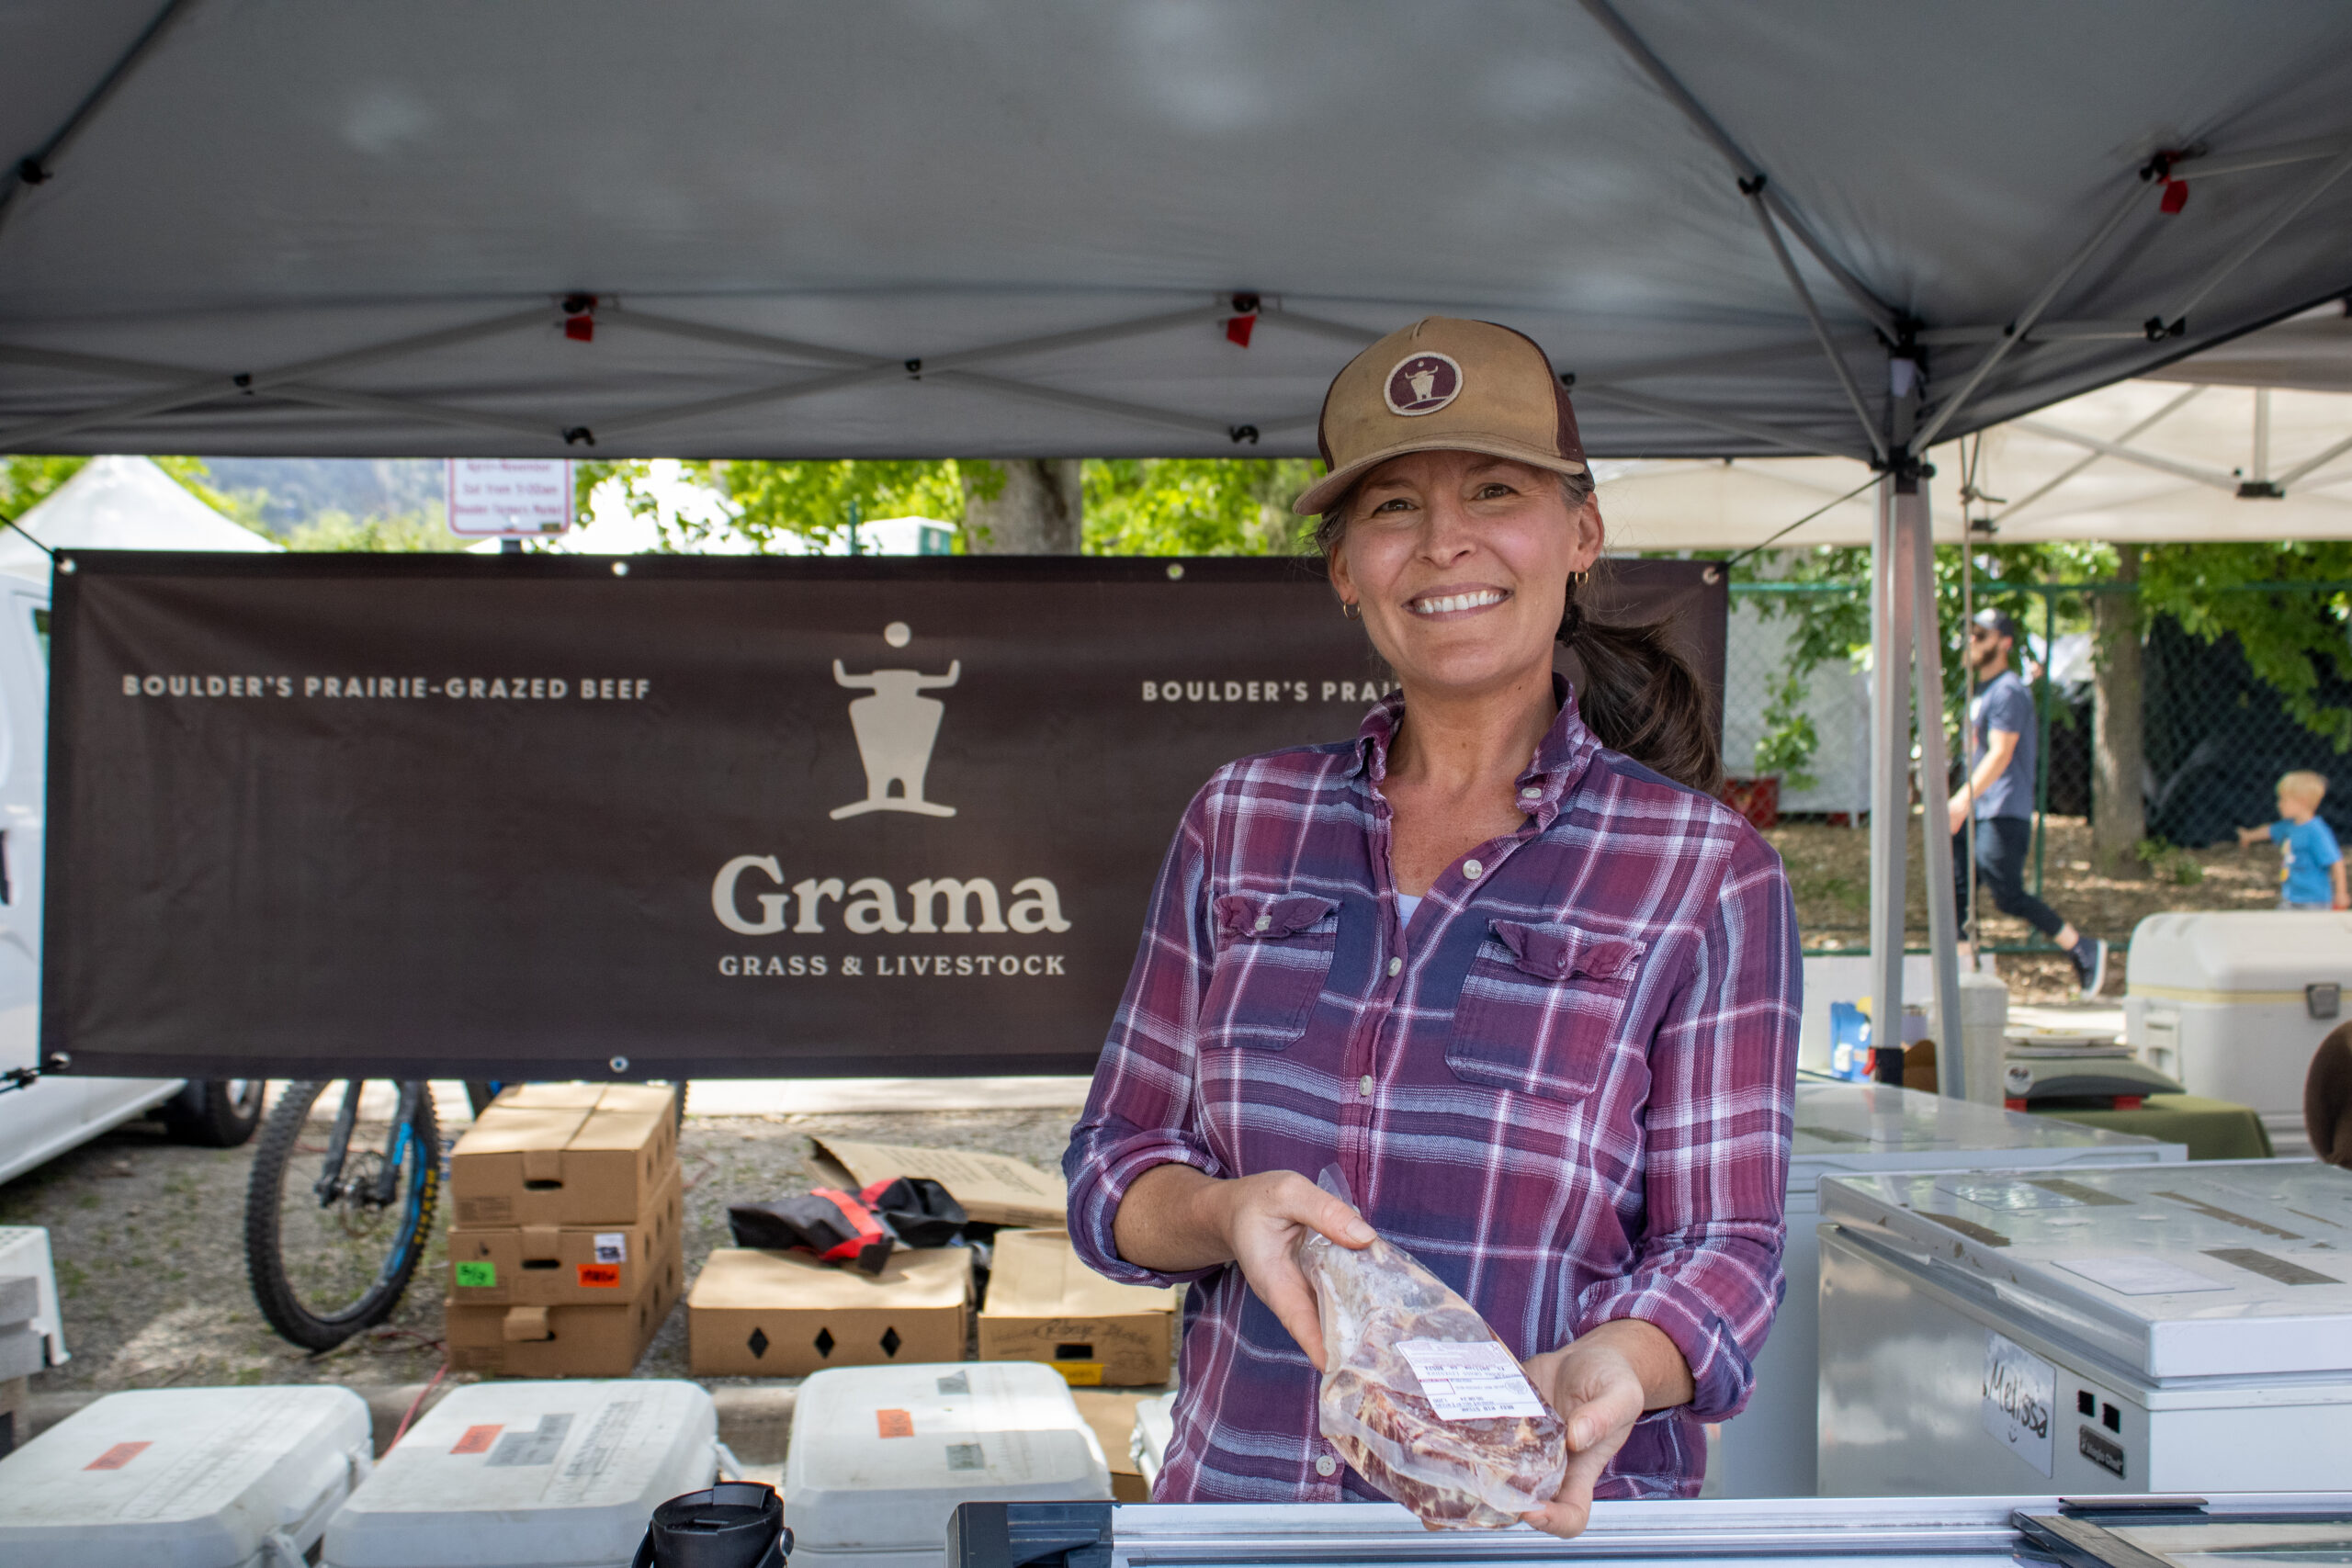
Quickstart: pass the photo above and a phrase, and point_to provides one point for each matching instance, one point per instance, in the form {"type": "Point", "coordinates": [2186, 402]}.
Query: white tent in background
{"type": "Point", "coordinates": [120, 503]}
{"type": "Point", "coordinates": [2146, 461]}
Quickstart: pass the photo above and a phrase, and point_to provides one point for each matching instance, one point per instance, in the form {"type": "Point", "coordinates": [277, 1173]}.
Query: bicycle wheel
{"type": "Point", "coordinates": [339, 1209]}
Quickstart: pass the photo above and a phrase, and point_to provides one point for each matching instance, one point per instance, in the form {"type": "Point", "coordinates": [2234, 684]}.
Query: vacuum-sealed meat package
{"type": "Point", "coordinates": [1420, 1396]}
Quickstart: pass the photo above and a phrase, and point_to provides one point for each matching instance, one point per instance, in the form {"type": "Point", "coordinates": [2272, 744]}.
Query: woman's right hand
{"type": "Point", "coordinates": [1262, 1219]}
{"type": "Point", "coordinates": [1175, 1218]}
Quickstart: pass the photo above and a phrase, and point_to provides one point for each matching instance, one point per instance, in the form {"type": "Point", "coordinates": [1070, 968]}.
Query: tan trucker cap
{"type": "Point", "coordinates": [1443, 385]}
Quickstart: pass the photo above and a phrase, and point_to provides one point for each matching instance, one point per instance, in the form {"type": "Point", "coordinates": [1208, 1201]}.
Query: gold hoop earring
{"type": "Point", "coordinates": [1578, 578]}
{"type": "Point", "coordinates": [1348, 609]}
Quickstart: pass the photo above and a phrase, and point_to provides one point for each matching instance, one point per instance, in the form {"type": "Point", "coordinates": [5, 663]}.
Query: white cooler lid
{"type": "Point", "coordinates": [975, 1431]}
{"type": "Point", "coordinates": [1867, 1126]}
{"type": "Point", "coordinates": [526, 1473]}
{"type": "Point", "coordinates": [2208, 954]}
{"type": "Point", "coordinates": [181, 1477]}
{"type": "Point", "coordinates": [2219, 1269]}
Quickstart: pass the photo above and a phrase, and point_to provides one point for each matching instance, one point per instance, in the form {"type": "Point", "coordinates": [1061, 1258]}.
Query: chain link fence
{"type": "Point", "coordinates": [2218, 723]}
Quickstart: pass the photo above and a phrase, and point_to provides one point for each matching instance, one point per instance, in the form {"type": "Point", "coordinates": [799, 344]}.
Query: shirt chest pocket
{"type": "Point", "coordinates": [1274, 957]}
{"type": "Point", "coordinates": [1539, 1008]}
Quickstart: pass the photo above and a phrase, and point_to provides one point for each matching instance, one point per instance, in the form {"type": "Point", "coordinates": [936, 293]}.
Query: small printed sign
{"type": "Point", "coordinates": [476, 1276]}
{"type": "Point", "coordinates": [1476, 1380]}
{"type": "Point", "coordinates": [600, 1276]}
{"type": "Point", "coordinates": [477, 1439]}
{"type": "Point", "coordinates": [2020, 1390]}
{"type": "Point", "coordinates": [894, 1424]}
{"type": "Point", "coordinates": [502, 498]}
{"type": "Point", "coordinates": [612, 1246]}
{"type": "Point", "coordinates": [118, 1456]}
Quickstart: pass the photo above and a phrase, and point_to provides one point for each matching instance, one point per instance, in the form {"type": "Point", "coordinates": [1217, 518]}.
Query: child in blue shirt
{"type": "Point", "coordinates": [2310, 866]}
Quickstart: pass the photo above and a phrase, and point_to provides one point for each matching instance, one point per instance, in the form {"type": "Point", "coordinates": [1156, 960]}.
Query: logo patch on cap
{"type": "Point", "coordinates": [1422, 384]}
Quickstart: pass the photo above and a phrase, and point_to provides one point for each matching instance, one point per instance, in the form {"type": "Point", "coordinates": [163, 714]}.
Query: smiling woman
{"type": "Point", "coordinates": [1501, 960]}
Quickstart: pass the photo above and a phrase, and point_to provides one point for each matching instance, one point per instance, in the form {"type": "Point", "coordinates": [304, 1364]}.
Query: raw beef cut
{"type": "Point", "coordinates": [1421, 1398]}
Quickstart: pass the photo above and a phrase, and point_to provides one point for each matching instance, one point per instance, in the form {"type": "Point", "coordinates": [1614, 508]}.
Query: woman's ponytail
{"type": "Point", "coordinates": [1640, 696]}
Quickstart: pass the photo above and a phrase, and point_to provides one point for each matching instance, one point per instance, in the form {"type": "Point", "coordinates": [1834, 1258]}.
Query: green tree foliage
{"type": "Point", "coordinates": [1134, 506]}
{"type": "Point", "coordinates": [407, 532]}
{"type": "Point", "coordinates": [1196, 506]}
{"type": "Point", "coordinates": [2289, 636]}
{"type": "Point", "coordinates": [25, 481]}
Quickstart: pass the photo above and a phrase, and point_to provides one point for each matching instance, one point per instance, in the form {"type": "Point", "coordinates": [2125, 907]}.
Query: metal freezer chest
{"type": "Point", "coordinates": [185, 1478]}
{"type": "Point", "coordinates": [2157, 1329]}
{"type": "Point", "coordinates": [1844, 1128]}
{"type": "Point", "coordinates": [529, 1474]}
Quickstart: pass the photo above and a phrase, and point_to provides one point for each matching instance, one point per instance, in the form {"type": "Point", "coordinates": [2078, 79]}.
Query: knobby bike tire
{"type": "Point", "coordinates": [274, 1292]}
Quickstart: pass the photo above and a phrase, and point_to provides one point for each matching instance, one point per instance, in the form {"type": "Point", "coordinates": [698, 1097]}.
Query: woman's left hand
{"type": "Point", "coordinates": [1600, 1385]}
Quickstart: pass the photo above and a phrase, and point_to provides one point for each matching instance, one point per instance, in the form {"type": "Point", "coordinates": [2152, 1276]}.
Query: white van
{"type": "Point", "coordinates": [41, 1114]}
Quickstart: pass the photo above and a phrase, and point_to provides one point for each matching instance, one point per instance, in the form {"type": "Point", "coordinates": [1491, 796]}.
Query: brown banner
{"type": "Point", "coordinates": [533, 817]}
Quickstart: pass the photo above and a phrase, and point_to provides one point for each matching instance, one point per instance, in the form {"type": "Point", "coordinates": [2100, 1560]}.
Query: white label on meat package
{"type": "Point", "coordinates": [1474, 1380]}
{"type": "Point", "coordinates": [612, 1246]}
{"type": "Point", "coordinates": [2020, 1392]}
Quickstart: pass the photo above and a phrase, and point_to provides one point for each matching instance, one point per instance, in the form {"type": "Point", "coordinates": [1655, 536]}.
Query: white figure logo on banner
{"type": "Point", "coordinates": [896, 730]}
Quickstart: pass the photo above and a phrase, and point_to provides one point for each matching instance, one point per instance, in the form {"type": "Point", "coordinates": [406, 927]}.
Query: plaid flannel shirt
{"type": "Point", "coordinates": [1567, 1088]}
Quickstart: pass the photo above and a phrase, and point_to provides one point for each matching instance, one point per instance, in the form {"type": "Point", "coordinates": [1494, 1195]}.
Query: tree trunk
{"type": "Point", "coordinates": [1023, 506]}
{"type": "Point", "coordinates": [2119, 808]}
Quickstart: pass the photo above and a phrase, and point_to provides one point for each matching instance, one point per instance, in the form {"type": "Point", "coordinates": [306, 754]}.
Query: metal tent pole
{"type": "Point", "coordinates": [1890, 771]}
{"type": "Point", "coordinates": [1914, 528]}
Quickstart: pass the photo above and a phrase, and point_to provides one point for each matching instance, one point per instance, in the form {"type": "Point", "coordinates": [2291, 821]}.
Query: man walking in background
{"type": "Point", "coordinates": [1999, 787]}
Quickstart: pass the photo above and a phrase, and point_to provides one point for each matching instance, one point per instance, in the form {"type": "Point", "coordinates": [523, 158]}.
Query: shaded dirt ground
{"type": "Point", "coordinates": [147, 1237]}
{"type": "Point", "coordinates": [1829, 872]}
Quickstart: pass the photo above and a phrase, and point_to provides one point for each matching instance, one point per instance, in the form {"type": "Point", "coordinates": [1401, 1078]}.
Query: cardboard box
{"type": "Point", "coordinates": [567, 1265]}
{"type": "Point", "coordinates": [1046, 1305]}
{"type": "Point", "coordinates": [589, 1097]}
{"type": "Point", "coordinates": [990, 1186]}
{"type": "Point", "coordinates": [557, 1341]}
{"type": "Point", "coordinates": [1113, 1417]}
{"type": "Point", "coordinates": [785, 1314]}
{"type": "Point", "coordinates": [530, 1162]}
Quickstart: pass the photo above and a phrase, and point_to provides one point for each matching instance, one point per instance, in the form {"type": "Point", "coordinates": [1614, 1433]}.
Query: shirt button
{"type": "Point", "coordinates": [1364, 1085]}
{"type": "Point", "coordinates": [1472, 869]}
{"type": "Point", "coordinates": [1533, 792]}
{"type": "Point", "coordinates": [1324, 1465]}
{"type": "Point", "coordinates": [1396, 967]}
{"type": "Point", "coordinates": [1265, 922]}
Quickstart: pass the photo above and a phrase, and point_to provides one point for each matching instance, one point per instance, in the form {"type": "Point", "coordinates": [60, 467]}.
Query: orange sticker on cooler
{"type": "Point", "coordinates": [599, 1275]}
{"type": "Point", "coordinates": [118, 1456]}
{"type": "Point", "coordinates": [477, 1439]}
{"type": "Point", "coordinates": [894, 1423]}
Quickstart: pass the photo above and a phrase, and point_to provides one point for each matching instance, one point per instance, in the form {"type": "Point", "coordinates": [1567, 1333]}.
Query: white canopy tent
{"type": "Point", "coordinates": [1043, 226]}
{"type": "Point", "coordinates": [119, 503]}
{"type": "Point", "coordinates": [2172, 464]}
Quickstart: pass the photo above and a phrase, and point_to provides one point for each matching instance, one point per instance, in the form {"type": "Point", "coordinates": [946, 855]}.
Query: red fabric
{"type": "Point", "coordinates": [1239, 328]}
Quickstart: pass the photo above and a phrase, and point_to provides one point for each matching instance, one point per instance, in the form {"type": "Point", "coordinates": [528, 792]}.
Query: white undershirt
{"type": "Point", "coordinates": [1405, 904]}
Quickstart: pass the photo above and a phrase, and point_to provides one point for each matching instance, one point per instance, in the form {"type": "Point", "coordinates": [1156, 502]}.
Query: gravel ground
{"type": "Point", "coordinates": [148, 1238]}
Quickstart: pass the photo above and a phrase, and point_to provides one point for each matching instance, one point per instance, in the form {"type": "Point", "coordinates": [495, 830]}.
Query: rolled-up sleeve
{"type": "Point", "coordinates": [1140, 1111]}
{"type": "Point", "coordinates": [1707, 1265]}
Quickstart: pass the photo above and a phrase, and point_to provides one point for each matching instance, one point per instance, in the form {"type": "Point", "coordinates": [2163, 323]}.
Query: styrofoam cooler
{"type": "Point", "coordinates": [185, 1478]}
{"type": "Point", "coordinates": [1766, 1451]}
{"type": "Point", "coordinates": [2233, 1002]}
{"type": "Point", "coordinates": [1155, 1430]}
{"type": "Point", "coordinates": [530, 1474]}
{"type": "Point", "coordinates": [880, 1456]}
